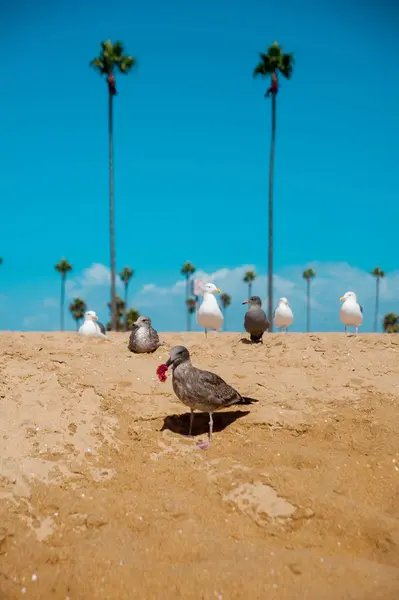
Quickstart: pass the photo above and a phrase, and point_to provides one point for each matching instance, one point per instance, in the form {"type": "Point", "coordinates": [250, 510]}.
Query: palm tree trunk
{"type": "Point", "coordinates": [249, 290]}
{"type": "Point", "coordinates": [271, 172]}
{"type": "Point", "coordinates": [111, 213]}
{"type": "Point", "coordinates": [377, 303]}
{"type": "Point", "coordinates": [187, 308]}
{"type": "Point", "coordinates": [308, 306]}
{"type": "Point", "coordinates": [62, 301]}
{"type": "Point", "coordinates": [125, 309]}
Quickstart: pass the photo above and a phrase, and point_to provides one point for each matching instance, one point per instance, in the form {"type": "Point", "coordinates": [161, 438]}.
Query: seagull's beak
{"type": "Point", "coordinates": [342, 298]}
{"type": "Point", "coordinates": [169, 362]}
{"type": "Point", "coordinates": [95, 318]}
{"type": "Point", "coordinates": [217, 290]}
{"type": "Point", "coordinates": [246, 302]}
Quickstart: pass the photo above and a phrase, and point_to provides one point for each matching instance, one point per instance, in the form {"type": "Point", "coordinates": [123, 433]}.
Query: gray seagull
{"type": "Point", "coordinates": [255, 321]}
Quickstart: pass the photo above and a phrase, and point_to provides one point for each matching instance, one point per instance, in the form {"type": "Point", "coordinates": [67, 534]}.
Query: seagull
{"type": "Point", "coordinates": [255, 321]}
{"type": "Point", "coordinates": [351, 313]}
{"type": "Point", "coordinates": [209, 315]}
{"type": "Point", "coordinates": [200, 390]}
{"type": "Point", "coordinates": [283, 315]}
{"type": "Point", "coordinates": [143, 337]}
{"type": "Point", "coordinates": [91, 327]}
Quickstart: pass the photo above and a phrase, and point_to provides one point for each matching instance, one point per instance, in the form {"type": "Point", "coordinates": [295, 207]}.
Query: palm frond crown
{"type": "Point", "coordinates": [274, 61]}
{"type": "Point", "coordinates": [308, 274]}
{"type": "Point", "coordinates": [63, 267]}
{"type": "Point", "coordinates": [249, 277]}
{"type": "Point", "coordinates": [377, 272]}
{"type": "Point", "coordinates": [225, 299]}
{"type": "Point", "coordinates": [126, 274]}
{"type": "Point", "coordinates": [187, 269]}
{"type": "Point", "coordinates": [112, 56]}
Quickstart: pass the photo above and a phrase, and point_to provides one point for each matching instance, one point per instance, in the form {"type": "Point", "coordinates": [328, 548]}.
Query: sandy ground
{"type": "Point", "coordinates": [102, 497]}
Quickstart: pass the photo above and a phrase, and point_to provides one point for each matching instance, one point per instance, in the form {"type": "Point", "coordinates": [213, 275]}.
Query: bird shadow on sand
{"type": "Point", "coordinates": [248, 342]}
{"type": "Point", "coordinates": [180, 423]}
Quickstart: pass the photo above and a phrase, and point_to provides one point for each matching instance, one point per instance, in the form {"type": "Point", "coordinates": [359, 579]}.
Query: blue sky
{"type": "Point", "coordinates": [191, 153]}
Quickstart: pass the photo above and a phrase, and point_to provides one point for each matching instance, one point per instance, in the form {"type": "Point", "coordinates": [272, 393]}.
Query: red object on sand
{"type": "Point", "coordinates": [161, 372]}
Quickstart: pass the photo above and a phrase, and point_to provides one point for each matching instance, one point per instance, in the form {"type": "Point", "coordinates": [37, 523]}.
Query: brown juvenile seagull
{"type": "Point", "coordinates": [200, 390]}
{"type": "Point", "coordinates": [143, 337]}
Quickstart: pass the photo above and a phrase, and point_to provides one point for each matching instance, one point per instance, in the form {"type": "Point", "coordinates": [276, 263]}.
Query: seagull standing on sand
{"type": "Point", "coordinates": [91, 327]}
{"type": "Point", "coordinates": [351, 313]}
{"type": "Point", "coordinates": [209, 315]}
{"type": "Point", "coordinates": [143, 337]}
{"type": "Point", "coordinates": [255, 321]}
{"type": "Point", "coordinates": [200, 390]}
{"type": "Point", "coordinates": [283, 315]}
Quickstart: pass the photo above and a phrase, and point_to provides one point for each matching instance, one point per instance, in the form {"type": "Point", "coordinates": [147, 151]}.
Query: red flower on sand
{"type": "Point", "coordinates": [161, 372]}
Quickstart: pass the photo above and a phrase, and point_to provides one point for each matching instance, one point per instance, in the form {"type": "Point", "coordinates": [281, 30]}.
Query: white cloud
{"type": "Point", "coordinates": [51, 303]}
{"type": "Point", "coordinates": [331, 282]}
{"type": "Point", "coordinates": [96, 276]}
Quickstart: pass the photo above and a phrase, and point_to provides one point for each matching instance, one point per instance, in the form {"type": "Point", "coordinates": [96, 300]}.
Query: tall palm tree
{"type": "Point", "coordinates": [225, 300]}
{"type": "Point", "coordinates": [187, 270]}
{"type": "Point", "coordinates": [249, 278]}
{"type": "Point", "coordinates": [126, 276]}
{"type": "Point", "coordinates": [112, 58]}
{"type": "Point", "coordinates": [378, 274]}
{"type": "Point", "coordinates": [63, 267]}
{"type": "Point", "coordinates": [391, 323]}
{"type": "Point", "coordinates": [77, 308]}
{"type": "Point", "coordinates": [132, 316]}
{"type": "Point", "coordinates": [272, 63]}
{"type": "Point", "coordinates": [308, 275]}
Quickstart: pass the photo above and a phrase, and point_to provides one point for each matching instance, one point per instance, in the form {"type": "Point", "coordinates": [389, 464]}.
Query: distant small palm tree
{"type": "Point", "coordinates": [191, 305]}
{"type": "Point", "coordinates": [308, 275]}
{"type": "Point", "coordinates": [110, 59]}
{"type": "Point", "coordinates": [271, 64]}
{"type": "Point", "coordinates": [225, 300]}
{"type": "Point", "coordinates": [1, 260]}
{"type": "Point", "coordinates": [120, 309]}
{"type": "Point", "coordinates": [126, 276]}
{"type": "Point", "coordinates": [378, 274]}
{"type": "Point", "coordinates": [63, 267]}
{"type": "Point", "coordinates": [249, 278]}
{"type": "Point", "coordinates": [77, 308]}
{"type": "Point", "coordinates": [187, 270]}
{"type": "Point", "coordinates": [391, 323]}
{"type": "Point", "coordinates": [132, 316]}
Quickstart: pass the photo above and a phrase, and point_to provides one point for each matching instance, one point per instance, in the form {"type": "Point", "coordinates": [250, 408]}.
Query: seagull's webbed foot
{"type": "Point", "coordinates": [204, 445]}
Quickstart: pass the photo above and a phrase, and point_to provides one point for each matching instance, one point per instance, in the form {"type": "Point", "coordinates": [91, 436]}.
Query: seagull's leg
{"type": "Point", "coordinates": [357, 330]}
{"type": "Point", "coordinates": [206, 333]}
{"type": "Point", "coordinates": [191, 422]}
{"type": "Point", "coordinates": [206, 445]}
{"type": "Point", "coordinates": [346, 332]}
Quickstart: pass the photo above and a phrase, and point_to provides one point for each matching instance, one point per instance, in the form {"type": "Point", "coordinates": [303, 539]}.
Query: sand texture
{"type": "Point", "coordinates": [102, 496]}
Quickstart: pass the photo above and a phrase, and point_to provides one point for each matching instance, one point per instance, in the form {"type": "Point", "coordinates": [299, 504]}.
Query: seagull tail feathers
{"type": "Point", "coordinates": [246, 400]}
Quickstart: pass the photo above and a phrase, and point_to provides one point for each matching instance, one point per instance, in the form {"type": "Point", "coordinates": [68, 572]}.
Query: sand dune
{"type": "Point", "coordinates": [102, 497]}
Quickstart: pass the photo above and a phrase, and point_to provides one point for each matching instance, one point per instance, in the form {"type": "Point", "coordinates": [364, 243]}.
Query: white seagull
{"type": "Point", "coordinates": [351, 313]}
{"type": "Point", "coordinates": [283, 315]}
{"type": "Point", "coordinates": [90, 328]}
{"type": "Point", "coordinates": [209, 315]}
